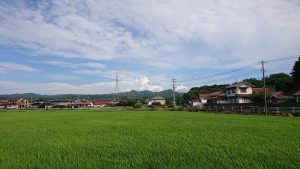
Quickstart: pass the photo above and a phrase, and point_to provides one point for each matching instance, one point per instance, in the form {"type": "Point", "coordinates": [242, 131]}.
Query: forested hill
{"type": "Point", "coordinates": [132, 94]}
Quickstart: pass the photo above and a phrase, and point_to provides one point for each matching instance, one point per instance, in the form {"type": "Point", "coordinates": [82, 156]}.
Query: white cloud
{"type": "Point", "coordinates": [145, 84]}
{"type": "Point", "coordinates": [11, 66]}
{"type": "Point", "coordinates": [160, 35]}
{"type": "Point", "coordinates": [181, 88]}
{"type": "Point", "coordinates": [155, 30]}
{"type": "Point", "coordinates": [93, 65]}
{"type": "Point", "coordinates": [9, 87]}
{"type": "Point", "coordinates": [61, 77]}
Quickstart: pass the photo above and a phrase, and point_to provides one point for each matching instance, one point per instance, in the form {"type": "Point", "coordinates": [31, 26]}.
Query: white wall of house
{"type": "Point", "coordinates": [244, 90]}
{"type": "Point", "coordinates": [100, 105]}
{"type": "Point", "coordinates": [221, 101]}
{"type": "Point", "coordinates": [239, 100]}
{"type": "Point", "coordinates": [197, 103]}
{"type": "Point", "coordinates": [239, 90]}
{"type": "Point", "coordinates": [14, 106]}
{"type": "Point", "coordinates": [243, 100]}
{"type": "Point", "coordinates": [162, 102]}
{"type": "Point", "coordinates": [203, 100]}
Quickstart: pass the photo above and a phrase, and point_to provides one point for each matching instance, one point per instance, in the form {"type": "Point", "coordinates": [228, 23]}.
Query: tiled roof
{"type": "Point", "coordinates": [218, 93]}
{"type": "Point", "coordinates": [259, 90]}
{"type": "Point", "coordinates": [239, 84]}
{"type": "Point", "coordinates": [204, 94]}
{"type": "Point", "coordinates": [281, 95]}
{"type": "Point", "coordinates": [297, 93]}
{"type": "Point", "coordinates": [83, 102]}
{"type": "Point", "coordinates": [158, 98]}
{"type": "Point", "coordinates": [101, 102]}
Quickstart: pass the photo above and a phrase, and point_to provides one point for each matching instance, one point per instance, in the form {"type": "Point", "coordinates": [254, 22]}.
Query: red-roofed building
{"type": "Point", "coordinates": [297, 95]}
{"type": "Point", "coordinates": [102, 103]}
{"type": "Point", "coordinates": [202, 99]}
{"type": "Point", "coordinates": [280, 97]}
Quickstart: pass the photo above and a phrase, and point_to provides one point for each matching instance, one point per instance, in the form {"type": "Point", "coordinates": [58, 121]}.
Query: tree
{"type": "Point", "coordinates": [255, 82]}
{"type": "Point", "coordinates": [259, 98]}
{"type": "Point", "coordinates": [169, 101]}
{"type": "Point", "coordinates": [138, 104]}
{"type": "Point", "coordinates": [281, 82]}
{"type": "Point", "coordinates": [156, 104]}
{"type": "Point", "coordinates": [296, 73]}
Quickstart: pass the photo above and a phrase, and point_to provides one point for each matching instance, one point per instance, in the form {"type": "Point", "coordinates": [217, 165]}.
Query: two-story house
{"type": "Point", "coordinates": [239, 92]}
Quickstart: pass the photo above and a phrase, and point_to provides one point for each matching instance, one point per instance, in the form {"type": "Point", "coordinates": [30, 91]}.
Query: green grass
{"type": "Point", "coordinates": [146, 139]}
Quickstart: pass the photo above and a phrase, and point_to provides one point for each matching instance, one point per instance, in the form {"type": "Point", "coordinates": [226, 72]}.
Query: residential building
{"type": "Point", "coordinates": [280, 97]}
{"type": "Point", "coordinates": [218, 97]}
{"type": "Point", "coordinates": [202, 99]}
{"type": "Point", "coordinates": [82, 104]}
{"type": "Point", "coordinates": [20, 103]}
{"type": "Point", "coordinates": [3, 104]}
{"type": "Point", "coordinates": [61, 103]}
{"type": "Point", "coordinates": [297, 96]}
{"type": "Point", "coordinates": [239, 92]}
{"type": "Point", "coordinates": [159, 99]}
{"type": "Point", "coordinates": [196, 102]}
{"type": "Point", "coordinates": [102, 103]}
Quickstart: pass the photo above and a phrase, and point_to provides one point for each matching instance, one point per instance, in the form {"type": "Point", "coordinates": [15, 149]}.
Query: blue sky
{"type": "Point", "coordinates": [61, 46]}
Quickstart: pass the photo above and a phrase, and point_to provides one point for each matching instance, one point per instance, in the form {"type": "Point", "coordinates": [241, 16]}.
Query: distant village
{"type": "Point", "coordinates": [239, 93]}
{"type": "Point", "coordinates": [23, 103]}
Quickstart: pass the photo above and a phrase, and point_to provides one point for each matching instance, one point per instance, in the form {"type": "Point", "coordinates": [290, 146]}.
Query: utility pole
{"type": "Point", "coordinates": [174, 99]}
{"type": "Point", "coordinates": [117, 90]}
{"type": "Point", "coordinates": [265, 91]}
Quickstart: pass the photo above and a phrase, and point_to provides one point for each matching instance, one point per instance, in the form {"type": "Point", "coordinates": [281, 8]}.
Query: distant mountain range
{"type": "Point", "coordinates": [132, 94]}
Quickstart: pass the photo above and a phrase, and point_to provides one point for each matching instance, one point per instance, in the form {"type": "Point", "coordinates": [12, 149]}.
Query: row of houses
{"type": "Point", "coordinates": [241, 93]}
{"type": "Point", "coordinates": [23, 103]}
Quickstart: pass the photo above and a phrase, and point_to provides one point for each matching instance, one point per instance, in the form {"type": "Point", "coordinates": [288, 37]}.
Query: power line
{"type": "Point", "coordinates": [222, 73]}
{"type": "Point", "coordinates": [241, 68]}
{"type": "Point", "coordinates": [230, 77]}
{"type": "Point", "coordinates": [281, 58]}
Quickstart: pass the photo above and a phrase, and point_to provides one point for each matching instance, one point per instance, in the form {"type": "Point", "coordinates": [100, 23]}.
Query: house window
{"type": "Point", "coordinates": [243, 90]}
{"type": "Point", "coordinates": [233, 91]}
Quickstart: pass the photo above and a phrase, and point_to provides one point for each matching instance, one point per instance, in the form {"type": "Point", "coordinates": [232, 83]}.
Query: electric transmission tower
{"type": "Point", "coordinates": [174, 99]}
{"type": "Point", "coordinates": [117, 90]}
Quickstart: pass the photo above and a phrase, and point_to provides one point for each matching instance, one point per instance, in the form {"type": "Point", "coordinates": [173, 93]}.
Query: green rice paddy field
{"type": "Point", "coordinates": [146, 139]}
